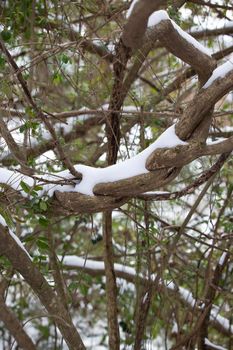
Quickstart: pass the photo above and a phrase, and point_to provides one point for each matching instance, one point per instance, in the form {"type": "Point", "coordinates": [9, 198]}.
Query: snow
{"type": "Point", "coordinates": [92, 176]}
{"type": "Point", "coordinates": [157, 17]}
{"type": "Point", "coordinates": [75, 261]}
{"type": "Point", "coordinates": [224, 322]}
{"type": "Point", "coordinates": [175, 328]}
{"type": "Point", "coordinates": [144, 298]}
{"type": "Point", "coordinates": [220, 72]}
{"type": "Point", "coordinates": [161, 15]}
{"type": "Point", "coordinates": [213, 346]}
{"type": "Point", "coordinates": [185, 294]}
{"type": "Point", "coordinates": [128, 13]}
{"type": "Point", "coordinates": [222, 258]}
{"type": "Point", "coordinates": [191, 40]}
{"type": "Point", "coordinates": [17, 240]}
{"type": "Point", "coordinates": [219, 140]}
{"type": "Point", "coordinates": [156, 193]}
{"type": "Point", "coordinates": [129, 168]}
{"type": "Point", "coordinates": [13, 179]}
{"type": "Point", "coordinates": [228, 24]}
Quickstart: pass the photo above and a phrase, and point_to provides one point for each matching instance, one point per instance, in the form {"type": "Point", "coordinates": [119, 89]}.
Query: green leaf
{"type": "Point", "coordinates": [57, 78]}
{"type": "Point", "coordinates": [7, 217]}
{"type": "Point", "coordinates": [73, 286]}
{"type": "Point", "coordinates": [42, 243]}
{"type": "Point", "coordinates": [37, 188]}
{"type": "Point", "coordinates": [2, 62]}
{"type": "Point", "coordinates": [6, 35]}
{"type": "Point", "coordinates": [25, 187]}
{"type": "Point", "coordinates": [44, 331]}
{"type": "Point", "coordinates": [65, 59]}
{"type": "Point", "coordinates": [43, 221]}
{"type": "Point", "coordinates": [43, 205]}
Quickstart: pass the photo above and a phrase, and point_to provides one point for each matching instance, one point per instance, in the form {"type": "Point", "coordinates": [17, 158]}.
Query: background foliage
{"type": "Point", "coordinates": [65, 52]}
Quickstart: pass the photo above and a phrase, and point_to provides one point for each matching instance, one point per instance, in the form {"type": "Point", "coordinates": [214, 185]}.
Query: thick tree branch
{"type": "Point", "coordinates": [135, 28]}
{"type": "Point", "coordinates": [175, 43]}
{"type": "Point", "coordinates": [22, 263]}
{"type": "Point", "coordinates": [14, 327]}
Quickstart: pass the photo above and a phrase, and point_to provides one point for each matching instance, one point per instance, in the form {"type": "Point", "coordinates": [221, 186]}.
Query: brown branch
{"type": "Point", "coordinates": [201, 105]}
{"type": "Point", "coordinates": [39, 114]}
{"type": "Point", "coordinates": [163, 287]}
{"type": "Point", "coordinates": [185, 154]}
{"type": "Point", "coordinates": [135, 28]}
{"type": "Point", "coordinates": [192, 187]}
{"type": "Point", "coordinates": [209, 299]}
{"type": "Point", "coordinates": [59, 282]}
{"type": "Point", "coordinates": [80, 42]}
{"type": "Point", "coordinates": [213, 278]}
{"type": "Point", "coordinates": [116, 101]}
{"type": "Point", "coordinates": [180, 47]}
{"type": "Point", "coordinates": [206, 33]}
{"type": "Point", "coordinates": [211, 5]}
{"type": "Point", "coordinates": [14, 327]}
{"type": "Point", "coordinates": [22, 263]}
{"type": "Point", "coordinates": [17, 152]}
{"type": "Point", "coordinates": [111, 287]}
{"type": "Point", "coordinates": [184, 76]}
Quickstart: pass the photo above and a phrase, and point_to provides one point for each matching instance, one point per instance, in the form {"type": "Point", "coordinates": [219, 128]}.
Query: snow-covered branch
{"type": "Point", "coordinates": [96, 268]}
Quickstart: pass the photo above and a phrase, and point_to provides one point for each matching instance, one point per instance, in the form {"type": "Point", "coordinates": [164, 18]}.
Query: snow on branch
{"type": "Point", "coordinates": [162, 15]}
{"type": "Point", "coordinates": [95, 267]}
{"type": "Point", "coordinates": [220, 72]}
{"type": "Point", "coordinates": [153, 20]}
{"type": "Point", "coordinates": [17, 240]}
{"type": "Point", "coordinates": [92, 176]}
{"type": "Point", "coordinates": [213, 346]}
{"type": "Point", "coordinates": [132, 167]}
{"type": "Point", "coordinates": [158, 25]}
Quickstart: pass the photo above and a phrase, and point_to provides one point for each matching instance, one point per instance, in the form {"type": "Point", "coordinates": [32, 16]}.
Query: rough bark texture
{"type": "Point", "coordinates": [15, 328]}
{"type": "Point", "coordinates": [22, 263]}
{"type": "Point", "coordinates": [111, 287]}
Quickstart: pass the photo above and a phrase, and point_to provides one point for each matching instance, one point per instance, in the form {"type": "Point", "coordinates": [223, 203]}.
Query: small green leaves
{"type": "Point", "coordinates": [30, 125]}
{"type": "Point", "coordinates": [43, 205]}
{"type": "Point", "coordinates": [57, 78]}
{"type": "Point", "coordinates": [6, 35]}
{"type": "Point", "coordinates": [25, 187]}
{"type": "Point", "coordinates": [6, 216]}
{"type": "Point", "coordinates": [2, 62]}
{"type": "Point", "coordinates": [42, 244]}
{"type": "Point", "coordinates": [65, 59]}
{"type": "Point", "coordinates": [43, 221]}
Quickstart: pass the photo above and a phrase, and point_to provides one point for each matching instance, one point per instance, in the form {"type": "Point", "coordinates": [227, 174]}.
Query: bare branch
{"type": "Point", "coordinates": [22, 263]}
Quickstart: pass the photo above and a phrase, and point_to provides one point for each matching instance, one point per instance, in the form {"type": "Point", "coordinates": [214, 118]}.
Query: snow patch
{"type": "Point", "coordinates": [157, 17]}
{"type": "Point", "coordinates": [128, 13]}
{"type": "Point", "coordinates": [220, 72]}
{"type": "Point", "coordinates": [129, 168]}
{"type": "Point", "coordinates": [75, 261]}
{"type": "Point", "coordinates": [191, 40]}
{"type": "Point", "coordinates": [17, 240]}
{"type": "Point", "coordinates": [92, 176]}
{"type": "Point", "coordinates": [213, 346]}
{"type": "Point", "coordinates": [161, 15]}
{"type": "Point", "coordinates": [13, 180]}
{"type": "Point", "coordinates": [222, 258]}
